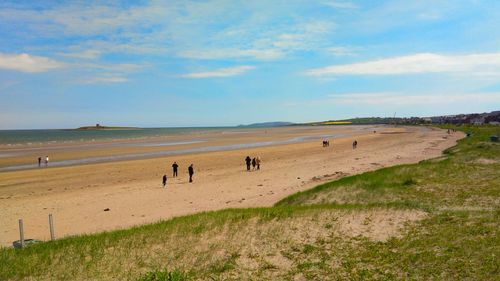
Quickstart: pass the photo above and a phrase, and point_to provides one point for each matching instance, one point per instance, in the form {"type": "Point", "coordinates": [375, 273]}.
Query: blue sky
{"type": "Point", "coordinates": [65, 64]}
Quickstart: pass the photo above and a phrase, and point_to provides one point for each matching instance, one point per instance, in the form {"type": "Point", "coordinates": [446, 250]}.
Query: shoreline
{"type": "Point", "coordinates": [201, 149]}
{"type": "Point", "coordinates": [63, 154]}
{"type": "Point", "coordinates": [132, 190]}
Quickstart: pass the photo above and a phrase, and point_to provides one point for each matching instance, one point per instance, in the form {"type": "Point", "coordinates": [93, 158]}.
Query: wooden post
{"type": "Point", "coordinates": [51, 228]}
{"type": "Point", "coordinates": [21, 232]}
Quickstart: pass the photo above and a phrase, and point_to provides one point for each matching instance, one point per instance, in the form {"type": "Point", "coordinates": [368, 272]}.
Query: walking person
{"type": "Point", "coordinates": [258, 162]}
{"type": "Point", "coordinates": [254, 163]}
{"type": "Point", "coordinates": [39, 161]}
{"type": "Point", "coordinates": [247, 161]}
{"type": "Point", "coordinates": [164, 180]}
{"type": "Point", "coordinates": [174, 167]}
{"type": "Point", "coordinates": [354, 144]}
{"type": "Point", "coordinates": [46, 160]}
{"type": "Point", "coordinates": [191, 172]}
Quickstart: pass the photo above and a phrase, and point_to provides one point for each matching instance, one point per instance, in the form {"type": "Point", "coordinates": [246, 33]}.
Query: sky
{"type": "Point", "coordinates": [65, 64]}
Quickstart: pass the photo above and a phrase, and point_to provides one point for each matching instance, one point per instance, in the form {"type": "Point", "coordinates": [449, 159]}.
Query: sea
{"type": "Point", "coordinates": [14, 143]}
{"type": "Point", "coordinates": [62, 136]}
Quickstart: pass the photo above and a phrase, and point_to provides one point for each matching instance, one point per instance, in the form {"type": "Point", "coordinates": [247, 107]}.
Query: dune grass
{"type": "Point", "coordinates": [434, 220]}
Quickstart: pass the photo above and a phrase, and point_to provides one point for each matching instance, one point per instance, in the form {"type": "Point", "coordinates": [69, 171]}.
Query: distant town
{"type": "Point", "coordinates": [492, 118]}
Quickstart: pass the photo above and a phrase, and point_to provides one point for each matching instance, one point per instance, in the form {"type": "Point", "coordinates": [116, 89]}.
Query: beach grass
{"type": "Point", "coordinates": [434, 220]}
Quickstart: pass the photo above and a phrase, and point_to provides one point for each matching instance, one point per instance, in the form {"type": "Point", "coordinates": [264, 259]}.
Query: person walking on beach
{"type": "Point", "coordinates": [258, 162]}
{"type": "Point", "coordinates": [39, 161]}
{"type": "Point", "coordinates": [354, 144]}
{"type": "Point", "coordinates": [254, 163]}
{"type": "Point", "coordinates": [46, 160]}
{"type": "Point", "coordinates": [191, 172]}
{"type": "Point", "coordinates": [248, 160]}
{"type": "Point", "coordinates": [174, 167]}
{"type": "Point", "coordinates": [164, 180]}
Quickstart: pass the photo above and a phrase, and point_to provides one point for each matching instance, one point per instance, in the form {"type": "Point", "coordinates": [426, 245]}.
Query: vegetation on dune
{"type": "Point", "coordinates": [437, 219]}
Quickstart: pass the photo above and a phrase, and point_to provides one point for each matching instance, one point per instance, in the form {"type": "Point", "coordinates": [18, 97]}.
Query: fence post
{"type": "Point", "coordinates": [52, 238]}
{"type": "Point", "coordinates": [21, 232]}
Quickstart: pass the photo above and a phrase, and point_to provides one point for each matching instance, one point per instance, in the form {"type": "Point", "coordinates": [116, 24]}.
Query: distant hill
{"type": "Point", "coordinates": [267, 124]}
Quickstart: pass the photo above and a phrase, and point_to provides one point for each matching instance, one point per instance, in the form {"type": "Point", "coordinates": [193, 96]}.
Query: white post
{"type": "Point", "coordinates": [51, 228]}
{"type": "Point", "coordinates": [21, 232]}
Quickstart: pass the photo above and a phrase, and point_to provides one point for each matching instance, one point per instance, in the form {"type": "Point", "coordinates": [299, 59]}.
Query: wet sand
{"type": "Point", "coordinates": [77, 195]}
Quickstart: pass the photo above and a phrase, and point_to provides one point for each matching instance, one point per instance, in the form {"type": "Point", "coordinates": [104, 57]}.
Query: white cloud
{"type": "Point", "coordinates": [418, 63]}
{"type": "Point", "coordinates": [103, 80]}
{"type": "Point", "coordinates": [122, 67]}
{"type": "Point", "coordinates": [221, 72]}
{"type": "Point", "coordinates": [215, 29]}
{"type": "Point", "coordinates": [266, 54]}
{"type": "Point", "coordinates": [28, 63]}
{"type": "Point", "coordinates": [345, 5]}
{"type": "Point", "coordinates": [88, 54]}
{"type": "Point", "coordinates": [397, 99]}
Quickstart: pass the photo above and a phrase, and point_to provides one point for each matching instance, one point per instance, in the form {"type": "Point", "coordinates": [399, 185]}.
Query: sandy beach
{"type": "Point", "coordinates": [77, 195]}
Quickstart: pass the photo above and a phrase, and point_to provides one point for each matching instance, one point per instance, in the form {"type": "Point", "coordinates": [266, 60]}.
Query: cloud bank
{"type": "Point", "coordinates": [28, 63]}
{"type": "Point", "coordinates": [418, 63]}
{"type": "Point", "coordinates": [221, 72]}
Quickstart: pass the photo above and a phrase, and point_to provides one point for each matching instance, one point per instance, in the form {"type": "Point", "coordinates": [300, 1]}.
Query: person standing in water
{"type": "Point", "coordinates": [247, 161]}
{"type": "Point", "coordinates": [191, 172]}
{"type": "Point", "coordinates": [164, 180]}
{"type": "Point", "coordinates": [174, 167]}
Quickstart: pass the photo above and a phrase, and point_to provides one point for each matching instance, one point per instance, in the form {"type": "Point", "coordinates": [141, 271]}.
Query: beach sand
{"type": "Point", "coordinates": [132, 191]}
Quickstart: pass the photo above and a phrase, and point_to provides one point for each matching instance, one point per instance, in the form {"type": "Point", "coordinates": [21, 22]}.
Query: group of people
{"type": "Point", "coordinates": [175, 167]}
{"type": "Point", "coordinates": [255, 162]}
{"type": "Point", "coordinates": [40, 161]}
{"type": "Point", "coordinates": [326, 143]}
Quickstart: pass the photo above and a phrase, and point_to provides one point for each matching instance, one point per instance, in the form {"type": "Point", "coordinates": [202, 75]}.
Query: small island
{"type": "Point", "coordinates": [99, 127]}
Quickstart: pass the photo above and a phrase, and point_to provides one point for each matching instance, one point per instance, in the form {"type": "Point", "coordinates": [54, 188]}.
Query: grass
{"type": "Point", "coordinates": [434, 220]}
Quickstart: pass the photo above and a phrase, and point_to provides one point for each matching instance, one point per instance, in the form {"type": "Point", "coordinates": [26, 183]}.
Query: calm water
{"type": "Point", "coordinates": [37, 137]}
{"type": "Point", "coordinates": [174, 152]}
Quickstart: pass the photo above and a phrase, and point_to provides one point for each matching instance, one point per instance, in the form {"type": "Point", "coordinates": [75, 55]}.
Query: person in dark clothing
{"type": "Point", "coordinates": [164, 180]}
{"type": "Point", "coordinates": [175, 166]}
{"type": "Point", "coordinates": [248, 160]}
{"type": "Point", "coordinates": [39, 161]}
{"type": "Point", "coordinates": [254, 163]}
{"type": "Point", "coordinates": [354, 144]}
{"type": "Point", "coordinates": [191, 172]}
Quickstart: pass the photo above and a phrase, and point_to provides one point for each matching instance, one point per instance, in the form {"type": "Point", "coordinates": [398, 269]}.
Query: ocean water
{"type": "Point", "coordinates": [39, 137]}
{"type": "Point", "coordinates": [130, 156]}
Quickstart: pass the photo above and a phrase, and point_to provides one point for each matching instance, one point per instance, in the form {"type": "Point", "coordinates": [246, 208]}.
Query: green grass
{"type": "Point", "coordinates": [466, 178]}
{"type": "Point", "coordinates": [434, 220]}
